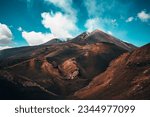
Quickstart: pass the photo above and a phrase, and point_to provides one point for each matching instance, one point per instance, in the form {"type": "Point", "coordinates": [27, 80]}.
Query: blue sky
{"type": "Point", "coordinates": [33, 22]}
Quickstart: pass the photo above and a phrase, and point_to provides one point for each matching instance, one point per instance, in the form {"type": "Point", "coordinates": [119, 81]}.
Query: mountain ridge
{"type": "Point", "coordinates": [100, 36]}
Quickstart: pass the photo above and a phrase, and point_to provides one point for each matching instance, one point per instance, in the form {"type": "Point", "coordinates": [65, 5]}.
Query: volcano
{"type": "Point", "coordinates": [99, 36]}
{"type": "Point", "coordinates": [92, 65]}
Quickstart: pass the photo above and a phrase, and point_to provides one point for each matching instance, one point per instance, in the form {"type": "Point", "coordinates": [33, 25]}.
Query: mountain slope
{"type": "Point", "coordinates": [127, 77]}
{"type": "Point", "coordinates": [77, 66]}
{"type": "Point", "coordinates": [77, 69]}
{"type": "Point", "coordinates": [14, 86]}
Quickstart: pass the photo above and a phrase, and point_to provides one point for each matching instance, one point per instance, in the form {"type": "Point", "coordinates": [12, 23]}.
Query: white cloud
{"type": "Point", "coordinates": [4, 47]}
{"type": "Point", "coordinates": [130, 19]}
{"type": "Point", "coordinates": [60, 24]}
{"type": "Point", "coordinates": [91, 6]}
{"type": "Point", "coordinates": [114, 22]}
{"type": "Point", "coordinates": [20, 29]}
{"type": "Point", "coordinates": [143, 16]}
{"type": "Point", "coordinates": [97, 8]}
{"type": "Point", "coordinates": [93, 24]}
{"type": "Point", "coordinates": [5, 34]}
{"type": "Point", "coordinates": [37, 38]}
{"type": "Point", "coordinates": [65, 5]}
{"type": "Point", "coordinates": [100, 23]}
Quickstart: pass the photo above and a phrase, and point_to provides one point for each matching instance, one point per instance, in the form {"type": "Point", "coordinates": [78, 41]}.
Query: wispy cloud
{"type": "Point", "coordinates": [91, 7]}
{"type": "Point", "coordinates": [94, 23]}
{"type": "Point", "coordinates": [100, 23]}
{"type": "Point", "coordinates": [29, 4]}
{"type": "Point", "coordinates": [66, 6]}
{"type": "Point", "coordinates": [96, 10]}
{"type": "Point", "coordinates": [130, 19]}
{"type": "Point", "coordinates": [113, 22]}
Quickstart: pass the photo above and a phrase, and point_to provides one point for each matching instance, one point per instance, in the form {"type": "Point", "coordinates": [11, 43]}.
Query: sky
{"type": "Point", "coordinates": [34, 22]}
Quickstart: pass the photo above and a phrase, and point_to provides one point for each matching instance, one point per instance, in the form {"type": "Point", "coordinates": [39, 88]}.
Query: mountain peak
{"type": "Point", "coordinates": [98, 36]}
{"type": "Point", "coordinates": [96, 31]}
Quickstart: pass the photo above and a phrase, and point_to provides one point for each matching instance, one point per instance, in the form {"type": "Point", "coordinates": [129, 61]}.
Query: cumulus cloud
{"type": "Point", "coordinates": [60, 24]}
{"type": "Point", "coordinates": [143, 16]}
{"type": "Point", "coordinates": [37, 38]}
{"type": "Point", "coordinates": [5, 34]}
{"type": "Point", "coordinates": [130, 19]}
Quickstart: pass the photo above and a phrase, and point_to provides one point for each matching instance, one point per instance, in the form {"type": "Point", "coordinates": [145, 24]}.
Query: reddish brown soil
{"type": "Point", "coordinates": [127, 77]}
